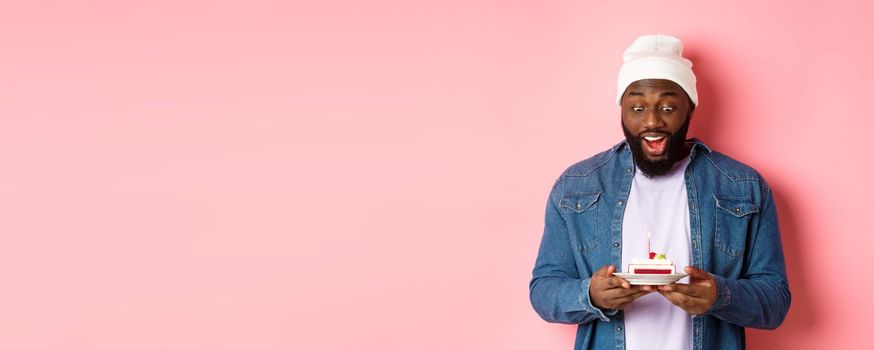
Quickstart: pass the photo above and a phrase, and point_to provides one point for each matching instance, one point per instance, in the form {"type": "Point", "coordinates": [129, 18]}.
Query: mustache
{"type": "Point", "coordinates": [654, 132]}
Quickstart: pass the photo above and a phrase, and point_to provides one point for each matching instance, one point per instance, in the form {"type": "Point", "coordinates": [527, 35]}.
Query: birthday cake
{"type": "Point", "coordinates": [657, 264]}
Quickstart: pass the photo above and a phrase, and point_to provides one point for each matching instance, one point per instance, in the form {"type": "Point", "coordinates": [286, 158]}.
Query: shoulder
{"type": "Point", "coordinates": [733, 170]}
{"type": "Point", "coordinates": [589, 166]}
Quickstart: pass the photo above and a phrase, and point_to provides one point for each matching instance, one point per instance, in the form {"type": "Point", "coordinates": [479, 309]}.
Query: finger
{"type": "Point", "coordinates": [675, 298]}
{"type": "Point", "coordinates": [690, 304]}
{"type": "Point", "coordinates": [645, 289]}
{"type": "Point", "coordinates": [623, 283]}
{"type": "Point", "coordinates": [701, 284]}
{"type": "Point", "coordinates": [628, 299]}
{"type": "Point", "coordinates": [700, 277]}
{"type": "Point", "coordinates": [638, 294]}
{"type": "Point", "coordinates": [684, 300]}
{"type": "Point", "coordinates": [700, 290]}
{"type": "Point", "coordinates": [620, 293]}
{"type": "Point", "coordinates": [678, 288]}
{"type": "Point", "coordinates": [604, 282]}
{"type": "Point", "coordinates": [620, 301]}
{"type": "Point", "coordinates": [623, 301]}
{"type": "Point", "coordinates": [616, 282]}
{"type": "Point", "coordinates": [611, 295]}
{"type": "Point", "coordinates": [641, 288]}
{"type": "Point", "coordinates": [621, 306]}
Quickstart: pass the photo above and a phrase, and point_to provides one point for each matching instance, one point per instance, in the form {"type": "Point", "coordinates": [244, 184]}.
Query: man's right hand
{"type": "Point", "coordinates": [610, 292]}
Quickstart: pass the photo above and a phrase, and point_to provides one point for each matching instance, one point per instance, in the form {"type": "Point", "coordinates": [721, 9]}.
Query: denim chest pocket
{"type": "Point", "coordinates": [733, 215]}
{"type": "Point", "coordinates": [580, 209]}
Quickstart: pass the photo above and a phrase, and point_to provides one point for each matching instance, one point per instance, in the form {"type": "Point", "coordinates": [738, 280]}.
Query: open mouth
{"type": "Point", "coordinates": [655, 145]}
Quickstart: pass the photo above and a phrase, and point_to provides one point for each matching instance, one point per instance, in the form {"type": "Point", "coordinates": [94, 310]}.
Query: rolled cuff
{"type": "Point", "coordinates": [586, 302]}
{"type": "Point", "coordinates": [723, 294]}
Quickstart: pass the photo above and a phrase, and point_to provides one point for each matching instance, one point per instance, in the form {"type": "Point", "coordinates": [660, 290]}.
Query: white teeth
{"type": "Point", "coordinates": [653, 138]}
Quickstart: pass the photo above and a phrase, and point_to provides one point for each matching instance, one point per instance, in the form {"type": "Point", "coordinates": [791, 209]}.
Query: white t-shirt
{"type": "Point", "coordinates": [658, 205]}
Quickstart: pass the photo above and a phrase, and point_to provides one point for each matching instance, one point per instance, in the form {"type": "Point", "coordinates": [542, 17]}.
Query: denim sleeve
{"type": "Point", "coordinates": [557, 292]}
{"type": "Point", "coordinates": [760, 298]}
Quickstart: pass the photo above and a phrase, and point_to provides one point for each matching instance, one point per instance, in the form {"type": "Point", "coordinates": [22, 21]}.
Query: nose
{"type": "Point", "coordinates": [652, 119]}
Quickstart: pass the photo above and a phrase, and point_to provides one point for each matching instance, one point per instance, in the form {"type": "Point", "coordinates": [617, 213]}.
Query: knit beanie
{"type": "Point", "coordinates": [657, 56]}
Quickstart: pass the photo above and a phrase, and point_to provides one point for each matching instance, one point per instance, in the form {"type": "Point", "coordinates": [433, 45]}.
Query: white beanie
{"type": "Point", "coordinates": [656, 56]}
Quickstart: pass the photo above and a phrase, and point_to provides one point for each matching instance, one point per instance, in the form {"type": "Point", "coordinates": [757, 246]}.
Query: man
{"type": "Point", "coordinates": [714, 217]}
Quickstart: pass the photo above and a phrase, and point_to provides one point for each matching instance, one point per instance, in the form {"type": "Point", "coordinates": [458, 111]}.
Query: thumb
{"type": "Point", "coordinates": [604, 271]}
{"type": "Point", "coordinates": [697, 273]}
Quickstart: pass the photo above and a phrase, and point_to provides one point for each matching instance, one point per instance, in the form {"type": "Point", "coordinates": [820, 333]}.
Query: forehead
{"type": "Point", "coordinates": [654, 87]}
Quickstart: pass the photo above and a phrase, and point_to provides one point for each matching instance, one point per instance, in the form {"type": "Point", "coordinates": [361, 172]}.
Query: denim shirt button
{"type": "Point", "coordinates": [628, 170]}
{"type": "Point", "coordinates": [620, 203]}
{"type": "Point", "coordinates": [615, 245]}
{"type": "Point", "coordinates": [619, 329]}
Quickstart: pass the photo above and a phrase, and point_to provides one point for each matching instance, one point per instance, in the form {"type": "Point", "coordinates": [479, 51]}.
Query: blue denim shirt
{"type": "Point", "coordinates": [734, 236]}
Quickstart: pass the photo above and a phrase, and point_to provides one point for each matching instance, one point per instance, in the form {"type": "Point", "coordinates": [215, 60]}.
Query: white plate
{"type": "Point", "coordinates": [649, 279]}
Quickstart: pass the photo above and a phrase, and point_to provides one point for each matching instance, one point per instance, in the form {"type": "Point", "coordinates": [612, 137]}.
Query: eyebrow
{"type": "Point", "coordinates": [666, 93]}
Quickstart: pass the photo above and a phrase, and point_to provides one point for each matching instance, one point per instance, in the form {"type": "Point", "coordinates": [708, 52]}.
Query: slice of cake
{"type": "Point", "coordinates": [655, 265]}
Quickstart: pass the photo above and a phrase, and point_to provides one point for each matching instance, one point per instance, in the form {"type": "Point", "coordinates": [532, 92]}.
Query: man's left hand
{"type": "Point", "coordinates": [696, 297]}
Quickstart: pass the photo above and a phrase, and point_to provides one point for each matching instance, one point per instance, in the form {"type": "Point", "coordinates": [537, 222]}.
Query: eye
{"type": "Point", "coordinates": [667, 109]}
{"type": "Point", "coordinates": [637, 109]}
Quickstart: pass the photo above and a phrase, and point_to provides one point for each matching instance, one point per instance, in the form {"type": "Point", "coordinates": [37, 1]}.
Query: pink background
{"type": "Point", "coordinates": [373, 175]}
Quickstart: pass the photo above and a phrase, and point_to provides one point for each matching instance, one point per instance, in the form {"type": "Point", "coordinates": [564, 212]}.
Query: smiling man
{"type": "Point", "coordinates": [713, 216]}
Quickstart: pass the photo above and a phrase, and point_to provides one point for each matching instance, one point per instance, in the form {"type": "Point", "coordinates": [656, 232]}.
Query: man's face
{"type": "Point", "coordinates": [655, 119]}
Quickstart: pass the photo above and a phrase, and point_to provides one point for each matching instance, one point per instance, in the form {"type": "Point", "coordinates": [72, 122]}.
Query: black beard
{"type": "Point", "coordinates": [675, 151]}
